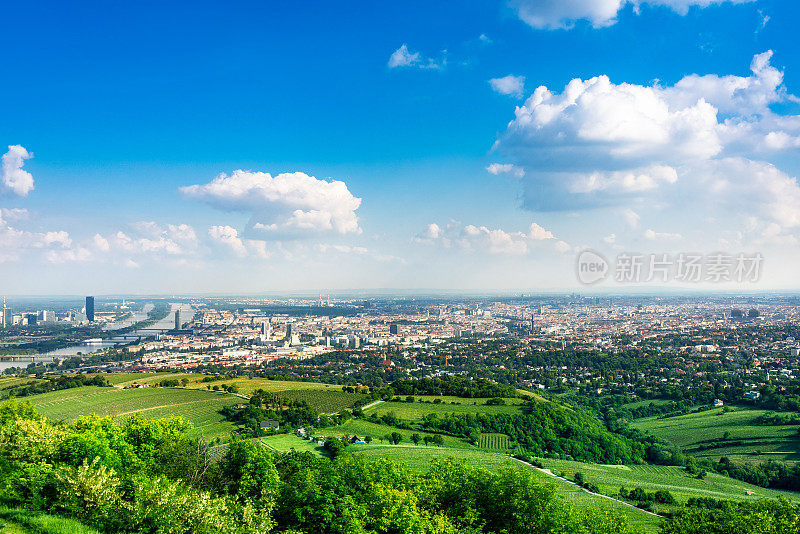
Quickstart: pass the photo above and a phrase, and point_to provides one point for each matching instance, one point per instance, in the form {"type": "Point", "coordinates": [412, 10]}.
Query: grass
{"type": "Point", "coordinates": [416, 410]}
{"type": "Point", "coordinates": [24, 521]}
{"type": "Point", "coordinates": [287, 442]}
{"type": "Point", "coordinates": [419, 459]}
{"type": "Point", "coordinates": [703, 434]}
{"type": "Point", "coordinates": [201, 408]}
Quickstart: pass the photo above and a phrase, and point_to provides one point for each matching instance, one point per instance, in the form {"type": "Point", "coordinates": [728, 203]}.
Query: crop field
{"type": "Point", "coordinates": [704, 434]}
{"type": "Point", "coordinates": [494, 441]}
{"type": "Point", "coordinates": [201, 408]}
{"type": "Point", "coordinates": [416, 410]}
{"type": "Point", "coordinates": [674, 479]}
{"type": "Point", "coordinates": [419, 461]}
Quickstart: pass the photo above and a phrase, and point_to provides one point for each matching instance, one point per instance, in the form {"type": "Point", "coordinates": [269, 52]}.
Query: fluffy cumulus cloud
{"type": "Point", "coordinates": [509, 85]}
{"type": "Point", "coordinates": [701, 145]}
{"type": "Point", "coordinates": [481, 239]}
{"type": "Point", "coordinates": [13, 178]}
{"type": "Point", "coordinates": [288, 205]}
{"type": "Point", "coordinates": [506, 168]}
{"type": "Point", "coordinates": [19, 244]}
{"type": "Point", "coordinates": [403, 57]}
{"type": "Point", "coordinates": [560, 14]}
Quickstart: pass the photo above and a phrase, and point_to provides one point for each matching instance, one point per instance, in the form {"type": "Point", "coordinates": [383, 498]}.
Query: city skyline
{"type": "Point", "coordinates": [477, 150]}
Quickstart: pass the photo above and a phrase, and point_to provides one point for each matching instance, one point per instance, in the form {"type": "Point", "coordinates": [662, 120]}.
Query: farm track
{"type": "Point", "coordinates": [371, 404]}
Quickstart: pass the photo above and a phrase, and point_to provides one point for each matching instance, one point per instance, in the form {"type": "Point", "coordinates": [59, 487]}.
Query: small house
{"type": "Point", "coordinates": [264, 425]}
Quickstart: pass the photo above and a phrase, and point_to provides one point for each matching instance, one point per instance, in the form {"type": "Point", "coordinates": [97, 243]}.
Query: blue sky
{"type": "Point", "coordinates": [121, 106]}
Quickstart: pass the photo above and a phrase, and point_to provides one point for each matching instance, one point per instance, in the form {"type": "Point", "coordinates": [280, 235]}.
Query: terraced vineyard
{"type": "Point", "coordinates": [716, 433]}
{"type": "Point", "coordinates": [682, 485]}
{"type": "Point", "coordinates": [201, 408]}
{"type": "Point", "coordinates": [494, 442]}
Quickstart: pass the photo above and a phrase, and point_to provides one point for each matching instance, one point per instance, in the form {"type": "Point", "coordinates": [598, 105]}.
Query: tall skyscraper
{"type": "Point", "coordinates": [90, 309]}
{"type": "Point", "coordinates": [178, 319]}
{"type": "Point", "coordinates": [288, 331]}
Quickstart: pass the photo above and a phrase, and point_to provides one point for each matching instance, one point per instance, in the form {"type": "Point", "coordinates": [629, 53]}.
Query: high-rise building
{"type": "Point", "coordinates": [394, 329]}
{"type": "Point", "coordinates": [90, 309]}
{"type": "Point", "coordinates": [178, 319]}
{"type": "Point", "coordinates": [288, 331]}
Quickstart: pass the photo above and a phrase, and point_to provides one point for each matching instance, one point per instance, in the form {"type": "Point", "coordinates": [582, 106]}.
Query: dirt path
{"type": "Point", "coordinates": [371, 404]}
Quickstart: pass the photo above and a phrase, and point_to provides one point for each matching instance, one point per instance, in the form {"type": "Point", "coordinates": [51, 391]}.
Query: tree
{"type": "Point", "coordinates": [438, 440]}
{"type": "Point", "coordinates": [396, 437]}
{"type": "Point", "coordinates": [415, 438]}
{"type": "Point", "coordinates": [427, 440]}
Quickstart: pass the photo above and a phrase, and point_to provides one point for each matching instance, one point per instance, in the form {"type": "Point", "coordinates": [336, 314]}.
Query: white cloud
{"type": "Point", "coordinates": [538, 233]}
{"type": "Point", "coordinates": [12, 215]}
{"type": "Point", "coordinates": [487, 240]}
{"type": "Point", "coordinates": [19, 244]}
{"type": "Point", "coordinates": [561, 14]}
{"type": "Point", "coordinates": [484, 38]}
{"type": "Point", "coordinates": [509, 85]}
{"type": "Point", "coordinates": [286, 205]}
{"type": "Point", "coordinates": [14, 179]}
{"type": "Point", "coordinates": [661, 236]}
{"type": "Point", "coordinates": [631, 218]}
{"type": "Point", "coordinates": [228, 237]}
{"type": "Point", "coordinates": [403, 57]}
{"type": "Point", "coordinates": [506, 168]}
{"type": "Point", "coordinates": [610, 239]}
{"type": "Point", "coordinates": [634, 180]}
{"type": "Point", "coordinates": [696, 147]}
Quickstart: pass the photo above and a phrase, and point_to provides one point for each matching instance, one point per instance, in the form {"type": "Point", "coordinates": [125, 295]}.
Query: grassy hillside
{"type": "Point", "coordinates": [703, 434]}
{"type": "Point", "coordinates": [14, 521]}
{"type": "Point", "coordinates": [201, 408]}
{"type": "Point", "coordinates": [419, 458]}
